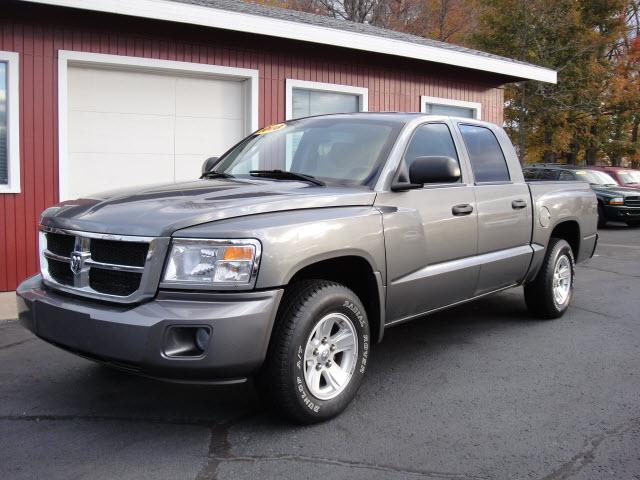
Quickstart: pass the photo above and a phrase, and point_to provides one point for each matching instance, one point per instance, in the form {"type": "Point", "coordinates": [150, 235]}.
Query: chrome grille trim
{"type": "Point", "coordinates": [92, 263]}
{"type": "Point", "coordinates": [150, 273]}
{"type": "Point", "coordinates": [632, 201]}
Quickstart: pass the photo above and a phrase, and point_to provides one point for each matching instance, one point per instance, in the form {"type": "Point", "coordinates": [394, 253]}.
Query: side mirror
{"type": "Point", "coordinates": [434, 170]}
{"type": "Point", "coordinates": [208, 164]}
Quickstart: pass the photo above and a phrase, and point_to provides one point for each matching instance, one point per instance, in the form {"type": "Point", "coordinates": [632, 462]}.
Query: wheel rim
{"type": "Point", "coordinates": [330, 356]}
{"type": "Point", "coordinates": [562, 280]}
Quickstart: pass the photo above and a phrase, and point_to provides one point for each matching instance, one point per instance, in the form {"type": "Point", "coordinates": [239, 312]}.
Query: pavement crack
{"type": "Point", "coordinates": [609, 271]}
{"type": "Point", "coordinates": [596, 312]}
{"type": "Point", "coordinates": [15, 344]}
{"type": "Point", "coordinates": [196, 422]}
{"type": "Point", "coordinates": [219, 447]}
{"type": "Point", "coordinates": [587, 452]}
{"type": "Point", "coordinates": [353, 464]}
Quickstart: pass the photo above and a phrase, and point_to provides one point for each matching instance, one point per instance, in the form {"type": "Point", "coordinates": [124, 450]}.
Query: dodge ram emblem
{"type": "Point", "coordinates": [76, 262]}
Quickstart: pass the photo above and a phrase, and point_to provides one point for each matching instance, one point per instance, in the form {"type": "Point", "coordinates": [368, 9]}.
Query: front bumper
{"type": "Point", "coordinates": [622, 213]}
{"type": "Point", "coordinates": [131, 337]}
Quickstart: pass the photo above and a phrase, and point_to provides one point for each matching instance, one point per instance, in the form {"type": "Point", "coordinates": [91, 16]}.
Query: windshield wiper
{"type": "Point", "coordinates": [214, 174]}
{"type": "Point", "coordinates": [285, 175]}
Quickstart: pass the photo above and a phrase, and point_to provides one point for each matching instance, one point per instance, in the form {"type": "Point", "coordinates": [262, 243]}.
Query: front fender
{"type": "Point", "coordinates": [295, 239]}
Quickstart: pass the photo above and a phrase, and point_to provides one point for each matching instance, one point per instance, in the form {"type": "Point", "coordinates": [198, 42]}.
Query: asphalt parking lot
{"type": "Point", "coordinates": [482, 391]}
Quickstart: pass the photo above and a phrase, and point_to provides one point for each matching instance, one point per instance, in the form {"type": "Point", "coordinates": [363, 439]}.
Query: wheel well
{"type": "Point", "coordinates": [569, 231]}
{"type": "Point", "coordinates": [354, 273]}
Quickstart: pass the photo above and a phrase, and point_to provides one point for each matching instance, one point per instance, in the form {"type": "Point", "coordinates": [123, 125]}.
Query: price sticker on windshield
{"type": "Point", "coordinates": [271, 128]}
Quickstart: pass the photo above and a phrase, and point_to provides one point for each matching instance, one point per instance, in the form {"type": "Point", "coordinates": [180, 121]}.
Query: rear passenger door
{"type": "Point", "coordinates": [504, 208]}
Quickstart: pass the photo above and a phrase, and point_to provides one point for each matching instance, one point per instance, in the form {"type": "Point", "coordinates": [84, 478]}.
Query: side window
{"type": "Point", "coordinates": [549, 175]}
{"type": "Point", "coordinates": [430, 140]}
{"type": "Point", "coordinates": [485, 154]}
{"type": "Point", "coordinates": [566, 176]}
{"type": "Point", "coordinates": [530, 174]}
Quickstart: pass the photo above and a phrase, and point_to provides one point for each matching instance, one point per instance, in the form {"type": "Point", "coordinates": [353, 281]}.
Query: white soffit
{"type": "Point", "coordinates": [262, 25]}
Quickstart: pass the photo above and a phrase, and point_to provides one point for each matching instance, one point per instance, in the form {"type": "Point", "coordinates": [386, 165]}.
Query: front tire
{"type": "Point", "coordinates": [602, 217]}
{"type": "Point", "coordinates": [549, 294]}
{"type": "Point", "coordinates": [318, 352]}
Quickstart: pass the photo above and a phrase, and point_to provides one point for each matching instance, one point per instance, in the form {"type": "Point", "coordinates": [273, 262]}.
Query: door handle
{"type": "Point", "coordinates": [460, 210]}
{"type": "Point", "coordinates": [518, 204]}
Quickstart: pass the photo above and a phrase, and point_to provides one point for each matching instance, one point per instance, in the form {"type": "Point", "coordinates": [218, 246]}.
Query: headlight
{"type": "Point", "coordinates": [195, 263]}
{"type": "Point", "coordinates": [616, 201]}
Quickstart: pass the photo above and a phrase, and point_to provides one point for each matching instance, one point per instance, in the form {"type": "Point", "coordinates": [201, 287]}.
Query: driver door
{"type": "Point", "coordinates": [430, 234]}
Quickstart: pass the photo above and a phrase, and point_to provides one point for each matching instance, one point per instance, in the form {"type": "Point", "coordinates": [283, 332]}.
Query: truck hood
{"type": "Point", "coordinates": [160, 210]}
{"type": "Point", "coordinates": [616, 191]}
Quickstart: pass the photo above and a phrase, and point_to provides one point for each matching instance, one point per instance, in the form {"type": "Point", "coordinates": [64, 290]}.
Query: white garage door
{"type": "Point", "coordinates": [129, 128]}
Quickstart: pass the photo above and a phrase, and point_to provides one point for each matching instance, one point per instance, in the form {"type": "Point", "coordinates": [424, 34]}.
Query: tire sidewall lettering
{"type": "Point", "coordinates": [305, 397]}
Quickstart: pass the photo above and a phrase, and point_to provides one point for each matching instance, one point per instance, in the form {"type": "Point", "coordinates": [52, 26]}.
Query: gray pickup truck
{"type": "Point", "coordinates": [298, 247]}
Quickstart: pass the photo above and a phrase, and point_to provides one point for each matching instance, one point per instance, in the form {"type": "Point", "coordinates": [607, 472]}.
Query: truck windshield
{"type": "Point", "coordinates": [595, 177]}
{"type": "Point", "coordinates": [346, 151]}
{"type": "Point", "coordinates": [631, 177]}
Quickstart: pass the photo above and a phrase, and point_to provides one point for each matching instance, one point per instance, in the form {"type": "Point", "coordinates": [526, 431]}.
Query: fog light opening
{"type": "Point", "coordinates": [202, 338]}
{"type": "Point", "coordinates": [183, 342]}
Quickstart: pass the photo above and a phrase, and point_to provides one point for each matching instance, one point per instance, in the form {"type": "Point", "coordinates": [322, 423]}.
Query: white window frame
{"type": "Point", "coordinates": [475, 106]}
{"type": "Point", "coordinates": [361, 92]}
{"type": "Point", "coordinates": [12, 59]}
{"type": "Point", "coordinates": [67, 58]}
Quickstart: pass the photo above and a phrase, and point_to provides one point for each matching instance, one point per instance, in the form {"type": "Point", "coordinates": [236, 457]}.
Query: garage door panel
{"type": "Point", "coordinates": [100, 132]}
{"type": "Point", "coordinates": [206, 97]}
{"type": "Point", "coordinates": [206, 136]}
{"type": "Point", "coordinates": [189, 167]}
{"type": "Point", "coordinates": [97, 172]}
{"type": "Point", "coordinates": [102, 90]}
{"type": "Point", "coordinates": [123, 129]}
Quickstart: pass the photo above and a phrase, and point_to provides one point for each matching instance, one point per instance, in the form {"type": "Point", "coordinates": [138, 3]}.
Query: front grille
{"type": "Point", "coordinates": [119, 253]}
{"type": "Point", "coordinates": [113, 282]}
{"type": "Point", "coordinates": [632, 201]}
{"type": "Point", "coordinates": [60, 244]}
{"type": "Point", "coordinates": [106, 267]}
{"type": "Point", "coordinates": [60, 272]}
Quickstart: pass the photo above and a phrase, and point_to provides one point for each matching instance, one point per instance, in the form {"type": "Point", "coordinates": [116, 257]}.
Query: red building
{"type": "Point", "coordinates": [101, 94]}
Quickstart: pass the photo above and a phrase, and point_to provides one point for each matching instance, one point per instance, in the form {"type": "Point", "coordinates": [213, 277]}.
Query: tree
{"type": "Point", "coordinates": [444, 20]}
{"type": "Point", "coordinates": [575, 120]}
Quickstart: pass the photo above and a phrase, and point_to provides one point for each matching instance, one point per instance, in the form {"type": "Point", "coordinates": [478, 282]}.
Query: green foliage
{"type": "Point", "coordinates": [589, 115]}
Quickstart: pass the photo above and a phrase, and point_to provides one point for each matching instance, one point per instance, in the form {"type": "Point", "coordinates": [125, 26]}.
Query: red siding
{"type": "Point", "coordinates": [38, 32]}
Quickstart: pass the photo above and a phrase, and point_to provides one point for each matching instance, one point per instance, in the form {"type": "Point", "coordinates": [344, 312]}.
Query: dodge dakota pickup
{"type": "Point", "coordinates": [296, 249]}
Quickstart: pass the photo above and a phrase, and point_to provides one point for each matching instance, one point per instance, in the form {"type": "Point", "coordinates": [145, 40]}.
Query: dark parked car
{"type": "Point", "coordinates": [615, 203]}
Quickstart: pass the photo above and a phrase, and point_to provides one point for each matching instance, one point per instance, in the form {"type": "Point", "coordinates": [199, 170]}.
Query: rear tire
{"type": "Point", "coordinates": [318, 353]}
{"type": "Point", "coordinates": [549, 294]}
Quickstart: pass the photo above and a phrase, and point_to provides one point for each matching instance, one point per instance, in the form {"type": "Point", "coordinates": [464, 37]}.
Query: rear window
{"type": "Point", "coordinates": [547, 174]}
{"type": "Point", "coordinates": [487, 160]}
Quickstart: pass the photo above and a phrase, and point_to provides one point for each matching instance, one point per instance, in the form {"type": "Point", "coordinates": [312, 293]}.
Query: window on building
{"type": "Point", "coordinates": [309, 102]}
{"type": "Point", "coordinates": [450, 108]}
{"type": "Point", "coordinates": [9, 153]}
{"type": "Point", "coordinates": [310, 98]}
{"type": "Point", "coordinates": [305, 99]}
{"type": "Point", "coordinates": [487, 160]}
